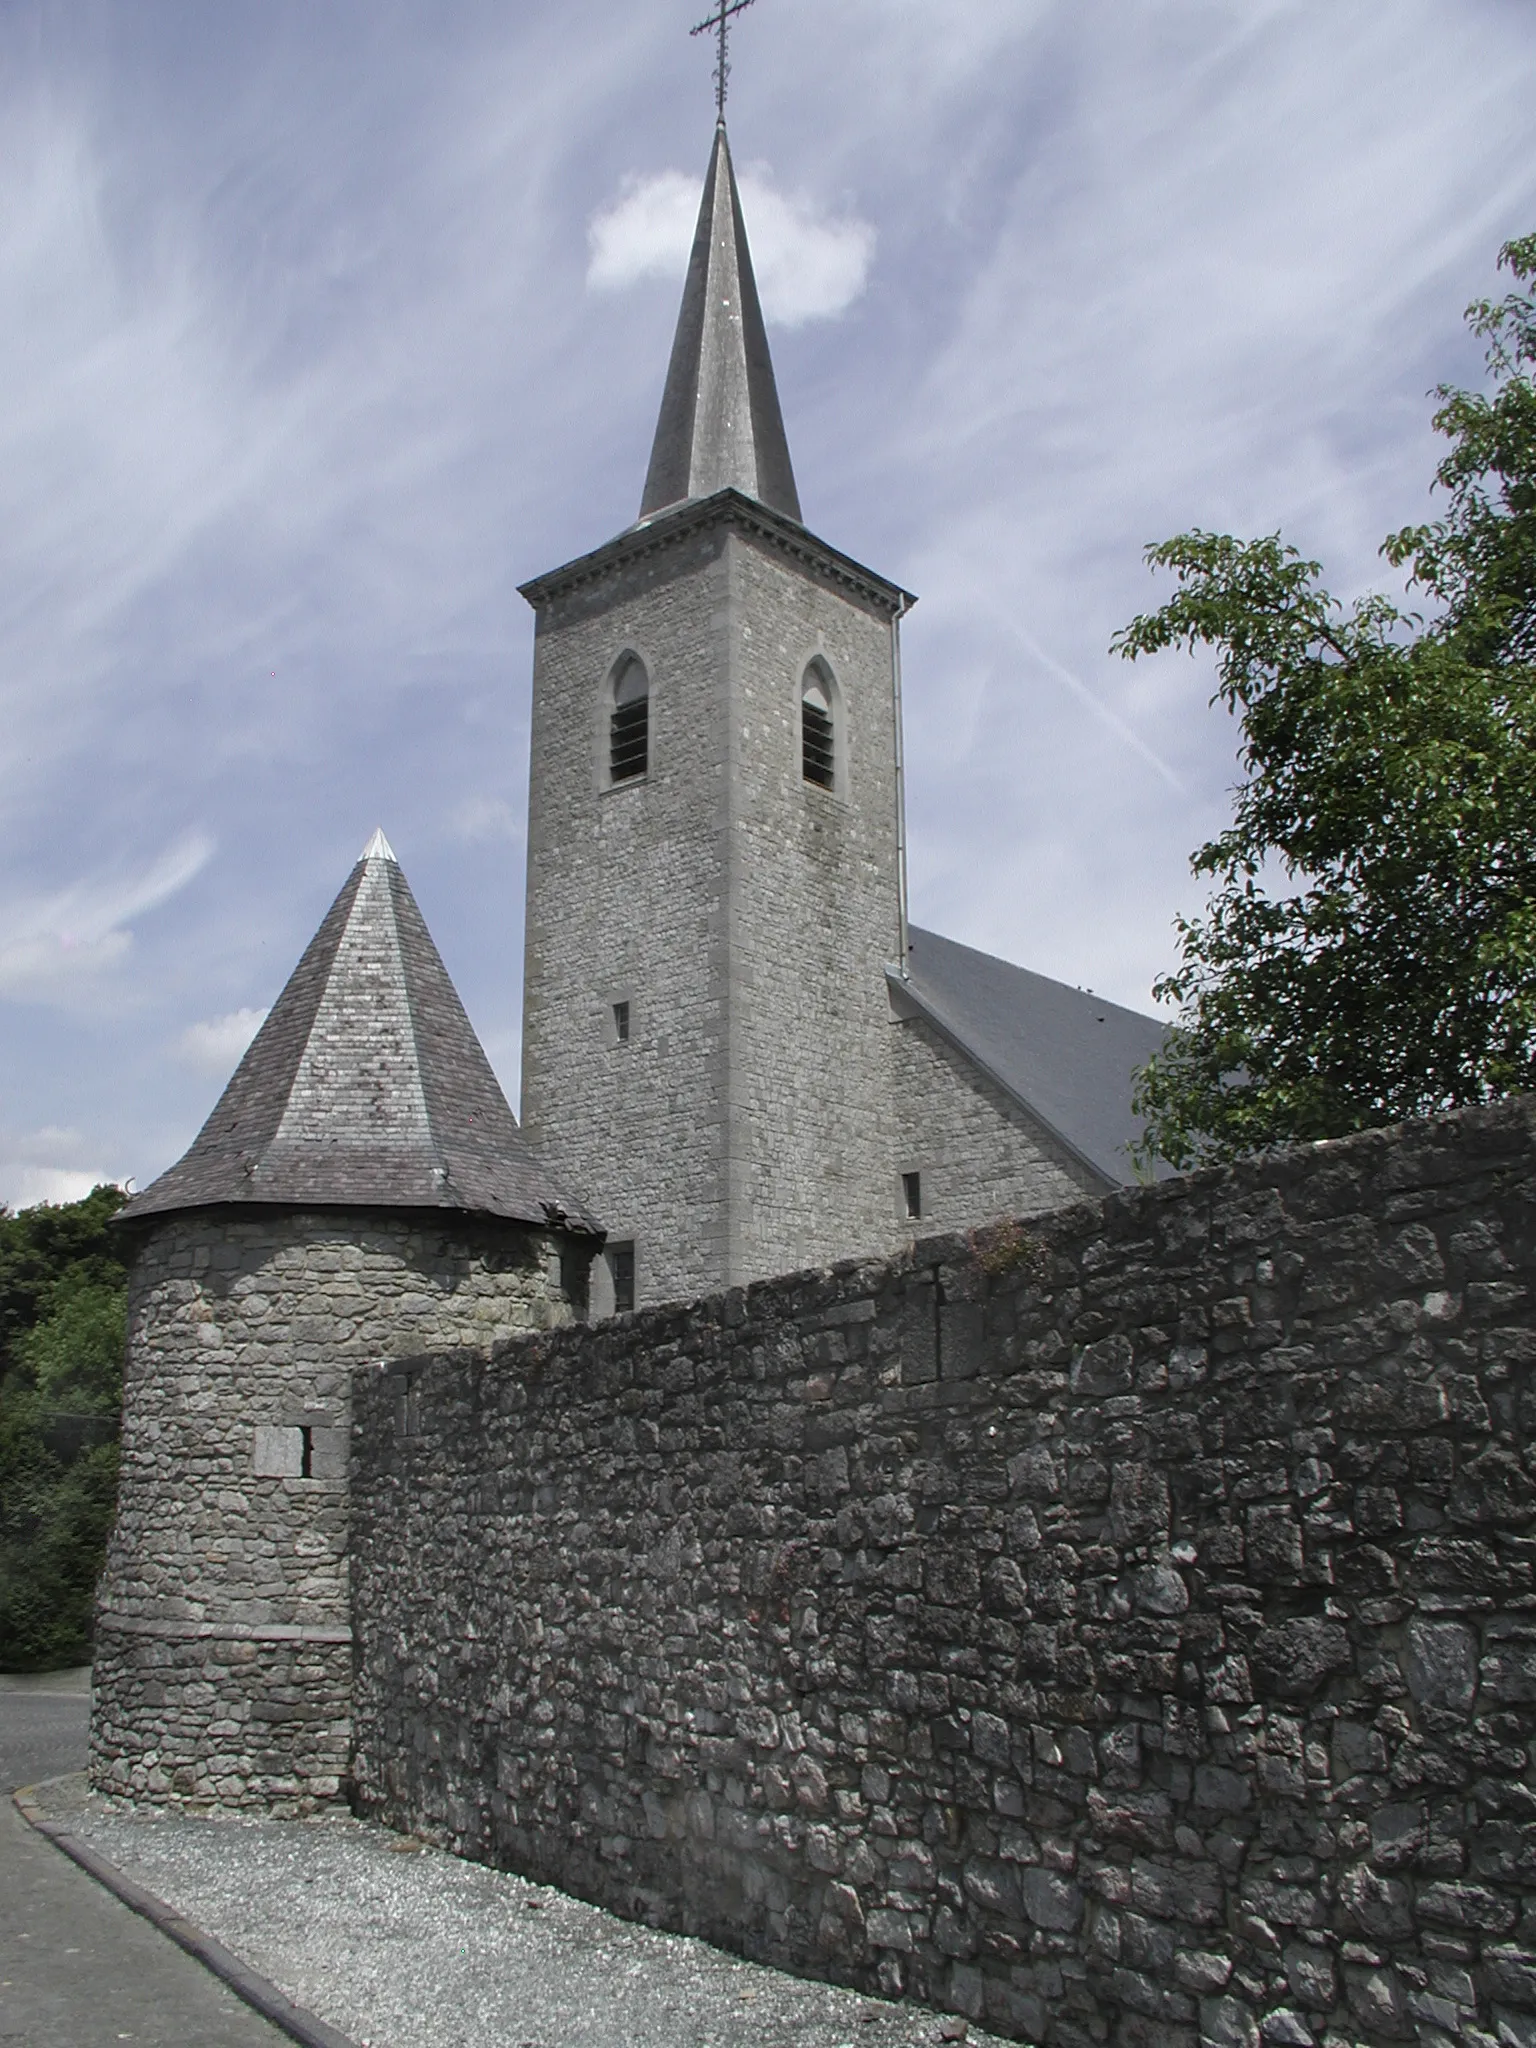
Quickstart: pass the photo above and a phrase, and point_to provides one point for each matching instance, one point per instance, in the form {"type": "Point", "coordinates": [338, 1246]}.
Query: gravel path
{"type": "Point", "coordinates": [406, 1947]}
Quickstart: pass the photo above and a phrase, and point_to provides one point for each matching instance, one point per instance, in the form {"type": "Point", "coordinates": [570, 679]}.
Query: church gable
{"type": "Point", "coordinates": [970, 1151]}
{"type": "Point", "coordinates": [1063, 1056]}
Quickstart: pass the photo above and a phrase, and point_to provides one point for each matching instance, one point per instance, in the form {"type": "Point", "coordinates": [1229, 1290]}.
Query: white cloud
{"type": "Point", "coordinates": [23, 1187]}
{"type": "Point", "coordinates": [1110, 719]}
{"type": "Point", "coordinates": [215, 1045]}
{"type": "Point", "coordinates": [127, 432]}
{"type": "Point", "coordinates": [53, 1141]}
{"type": "Point", "coordinates": [51, 944]}
{"type": "Point", "coordinates": [45, 1166]}
{"type": "Point", "coordinates": [808, 266]}
{"type": "Point", "coordinates": [646, 232]}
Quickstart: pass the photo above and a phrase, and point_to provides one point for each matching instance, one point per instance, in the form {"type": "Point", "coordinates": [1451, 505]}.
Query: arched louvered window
{"type": "Point", "coordinates": [629, 731]}
{"type": "Point", "coordinates": [818, 737]}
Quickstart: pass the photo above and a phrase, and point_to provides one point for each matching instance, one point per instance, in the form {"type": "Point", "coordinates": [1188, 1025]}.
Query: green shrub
{"type": "Point", "coordinates": [62, 1332]}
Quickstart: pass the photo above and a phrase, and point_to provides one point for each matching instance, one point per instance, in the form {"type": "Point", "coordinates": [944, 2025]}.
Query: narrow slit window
{"type": "Point", "coordinates": [912, 1193]}
{"type": "Point", "coordinates": [621, 1263]}
{"type": "Point", "coordinates": [629, 733]}
{"type": "Point", "coordinates": [621, 1023]}
{"type": "Point", "coordinates": [306, 1451]}
{"type": "Point", "coordinates": [817, 754]}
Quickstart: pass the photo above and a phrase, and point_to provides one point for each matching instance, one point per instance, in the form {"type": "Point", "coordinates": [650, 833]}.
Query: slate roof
{"type": "Point", "coordinates": [366, 1087]}
{"type": "Point", "coordinates": [1066, 1055]}
{"type": "Point", "coordinates": [720, 421]}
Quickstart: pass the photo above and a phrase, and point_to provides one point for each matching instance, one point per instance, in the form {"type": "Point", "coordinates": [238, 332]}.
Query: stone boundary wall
{"type": "Point", "coordinates": [1119, 1628]}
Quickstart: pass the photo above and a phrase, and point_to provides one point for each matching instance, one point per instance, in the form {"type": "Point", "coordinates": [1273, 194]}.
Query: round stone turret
{"type": "Point", "coordinates": [361, 1193]}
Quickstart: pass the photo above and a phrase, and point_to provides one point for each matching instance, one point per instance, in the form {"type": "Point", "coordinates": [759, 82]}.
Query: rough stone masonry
{"type": "Point", "coordinates": [223, 1668]}
{"type": "Point", "coordinates": [1121, 1629]}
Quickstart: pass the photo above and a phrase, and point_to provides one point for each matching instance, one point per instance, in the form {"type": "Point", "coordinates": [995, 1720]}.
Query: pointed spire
{"type": "Point", "coordinates": [366, 1087]}
{"type": "Point", "coordinates": [720, 422]}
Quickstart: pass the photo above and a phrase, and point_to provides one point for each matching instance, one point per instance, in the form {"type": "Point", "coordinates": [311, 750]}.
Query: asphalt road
{"type": "Point", "coordinates": [77, 1969]}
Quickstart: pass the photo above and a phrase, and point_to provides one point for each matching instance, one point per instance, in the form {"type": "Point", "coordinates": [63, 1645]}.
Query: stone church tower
{"type": "Point", "coordinates": [735, 1047]}
{"type": "Point", "coordinates": [714, 882]}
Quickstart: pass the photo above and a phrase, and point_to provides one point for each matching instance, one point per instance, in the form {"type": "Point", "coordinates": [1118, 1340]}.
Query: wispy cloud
{"type": "Point", "coordinates": [1107, 717]}
{"type": "Point", "coordinates": [479, 819]}
{"type": "Point", "coordinates": [54, 944]}
{"type": "Point", "coordinates": [809, 265]}
{"type": "Point", "coordinates": [1212, 291]}
{"type": "Point", "coordinates": [316, 341]}
{"type": "Point", "coordinates": [128, 432]}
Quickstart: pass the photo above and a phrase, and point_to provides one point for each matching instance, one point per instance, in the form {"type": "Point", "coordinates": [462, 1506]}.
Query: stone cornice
{"type": "Point", "coordinates": [180, 1631]}
{"type": "Point", "coordinates": [729, 507]}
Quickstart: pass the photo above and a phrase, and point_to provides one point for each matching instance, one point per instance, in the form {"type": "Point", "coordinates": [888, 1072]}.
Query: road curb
{"type": "Point", "coordinates": [257, 1991]}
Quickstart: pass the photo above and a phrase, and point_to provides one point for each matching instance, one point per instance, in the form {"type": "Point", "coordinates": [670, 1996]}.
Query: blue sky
{"type": "Point", "coordinates": [324, 327]}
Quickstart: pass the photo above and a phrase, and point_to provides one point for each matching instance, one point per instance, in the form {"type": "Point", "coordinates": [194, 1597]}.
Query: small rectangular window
{"type": "Point", "coordinates": [306, 1452]}
{"type": "Point", "coordinates": [912, 1191]}
{"type": "Point", "coordinates": [621, 1023]}
{"type": "Point", "coordinates": [621, 1263]}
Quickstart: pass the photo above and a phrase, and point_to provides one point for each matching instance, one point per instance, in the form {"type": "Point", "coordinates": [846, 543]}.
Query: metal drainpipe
{"type": "Point", "coordinates": [901, 788]}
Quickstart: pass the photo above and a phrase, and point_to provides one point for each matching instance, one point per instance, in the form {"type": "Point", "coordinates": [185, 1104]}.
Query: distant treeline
{"type": "Point", "coordinates": [63, 1301]}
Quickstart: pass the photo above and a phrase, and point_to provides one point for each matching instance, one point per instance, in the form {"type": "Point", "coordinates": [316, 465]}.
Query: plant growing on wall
{"type": "Point", "coordinates": [1369, 949]}
{"type": "Point", "coordinates": [1007, 1247]}
{"type": "Point", "coordinates": [62, 1314]}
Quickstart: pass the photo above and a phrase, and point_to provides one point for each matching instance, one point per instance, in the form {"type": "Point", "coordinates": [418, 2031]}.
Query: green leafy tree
{"type": "Point", "coordinates": [62, 1329]}
{"type": "Point", "coordinates": [1369, 949]}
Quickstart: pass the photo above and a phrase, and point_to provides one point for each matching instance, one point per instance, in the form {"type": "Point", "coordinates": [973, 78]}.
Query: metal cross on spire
{"type": "Point", "coordinates": [718, 23]}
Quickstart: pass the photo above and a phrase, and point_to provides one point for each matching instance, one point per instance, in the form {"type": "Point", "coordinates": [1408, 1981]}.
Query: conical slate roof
{"type": "Point", "coordinates": [720, 422]}
{"type": "Point", "coordinates": [366, 1087]}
